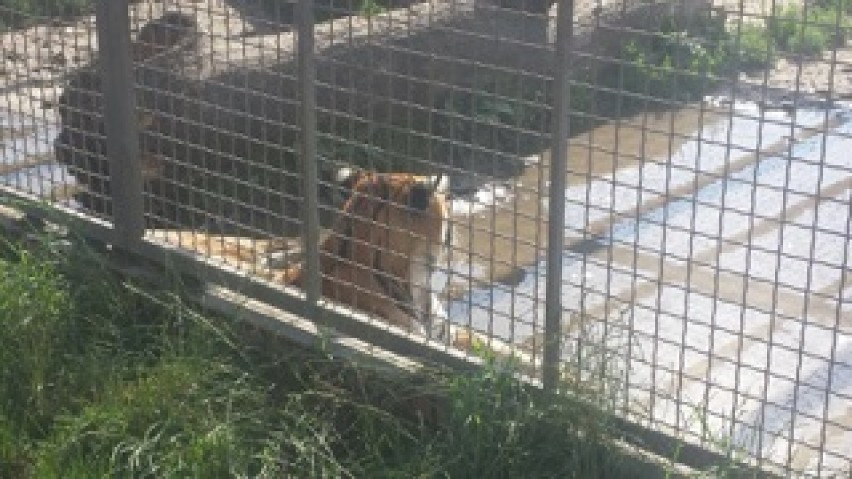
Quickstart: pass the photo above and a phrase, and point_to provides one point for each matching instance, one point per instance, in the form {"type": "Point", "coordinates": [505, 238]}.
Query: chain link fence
{"type": "Point", "coordinates": [652, 198]}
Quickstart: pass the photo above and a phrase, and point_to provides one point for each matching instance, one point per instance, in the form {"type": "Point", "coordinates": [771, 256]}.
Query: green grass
{"type": "Point", "coordinates": [103, 378]}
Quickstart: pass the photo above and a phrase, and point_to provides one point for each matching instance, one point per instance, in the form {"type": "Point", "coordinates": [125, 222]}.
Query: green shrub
{"type": "Point", "coordinates": [809, 42]}
{"type": "Point", "coordinates": [679, 63]}
{"type": "Point", "coordinates": [675, 68]}
{"type": "Point", "coordinates": [752, 48]}
{"type": "Point", "coordinates": [844, 6]}
{"type": "Point", "coordinates": [825, 25]}
{"type": "Point", "coordinates": [783, 27]}
{"type": "Point", "coordinates": [682, 62]}
{"type": "Point", "coordinates": [369, 8]}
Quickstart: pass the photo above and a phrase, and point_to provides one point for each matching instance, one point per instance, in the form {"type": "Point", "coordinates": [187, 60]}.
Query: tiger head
{"type": "Point", "coordinates": [392, 219]}
{"type": "Point", "coordinates": [385, 245]}
{"type": "Point", "coordinates": [393, 229]}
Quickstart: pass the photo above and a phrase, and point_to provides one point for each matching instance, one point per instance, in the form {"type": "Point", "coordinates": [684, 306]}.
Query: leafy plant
{"type": "Point", "coordinates": [809, 32]}
{"type": "Point", "coordinates": [753, 48]}
{"type": "Point", "coordinates": [370, 8]}
{"type": "Point", "coordinates": [843, 6]}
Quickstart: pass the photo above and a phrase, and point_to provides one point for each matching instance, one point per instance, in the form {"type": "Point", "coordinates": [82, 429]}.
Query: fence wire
{"type": "Point", "coordinates": [702, 287]}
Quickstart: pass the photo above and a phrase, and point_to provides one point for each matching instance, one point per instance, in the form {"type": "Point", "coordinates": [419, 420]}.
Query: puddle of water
{"type": "Point", "coordinates": [661, 177]}
{"type": "Point", "coordinates": [691, 159]}
{"type": "Point", "coordinates": [709, 220]}
{"type": "Point", "coordinates": [513, 228]}
{"type": "Point", "coordinates": [23, 137]}
{"type": "Point", "coordinates": [26, 157]}
{"type": "Point", "coordinates": [44, 181]}
{"type": "Point", "coordinates": [37, 144]}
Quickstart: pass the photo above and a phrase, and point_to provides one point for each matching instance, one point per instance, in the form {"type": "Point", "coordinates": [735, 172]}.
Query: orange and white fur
{"type": "Point", "coordinates": [380, 256]}
{"type": "Point", "coordinates": [383, 250]}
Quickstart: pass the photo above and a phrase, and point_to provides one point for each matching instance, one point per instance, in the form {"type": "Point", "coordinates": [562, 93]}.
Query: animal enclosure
{"type": "Point", "coordinates": [650, 197]}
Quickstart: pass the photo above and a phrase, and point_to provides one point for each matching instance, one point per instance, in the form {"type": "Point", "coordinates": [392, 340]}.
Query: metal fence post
{"type": "Point", "coordinates": [307, 92]}
{"type": "Point", "coordinates": [556, 205]}
{"type": "Point", "coordinates": [119, 117]}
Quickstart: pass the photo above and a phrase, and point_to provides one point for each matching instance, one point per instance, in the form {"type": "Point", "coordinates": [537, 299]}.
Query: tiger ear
{"type": "Point", "coordinates": [441, 183]}
{"type": "Point", "coordinates": [346, 177]}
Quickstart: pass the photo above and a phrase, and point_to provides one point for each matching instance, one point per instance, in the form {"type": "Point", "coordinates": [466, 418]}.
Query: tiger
{"type": "Point", "coordinates": [386, 244]}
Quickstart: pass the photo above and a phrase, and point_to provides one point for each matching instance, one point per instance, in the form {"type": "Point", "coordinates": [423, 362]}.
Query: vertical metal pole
{"type": "Point", "coordinates": [307, 87]}
{"type": "Point", "coordinates": [556, 209]}
{"type": "Point", "coordinates": [119, 116]}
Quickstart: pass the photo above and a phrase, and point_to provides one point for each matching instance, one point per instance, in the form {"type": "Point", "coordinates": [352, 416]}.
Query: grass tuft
{"type": "Point", "coordinates": [103, 378]}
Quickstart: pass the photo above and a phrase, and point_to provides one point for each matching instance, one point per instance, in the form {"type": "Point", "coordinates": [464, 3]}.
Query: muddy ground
{"type": "Point", "coordinates": [502, 239]}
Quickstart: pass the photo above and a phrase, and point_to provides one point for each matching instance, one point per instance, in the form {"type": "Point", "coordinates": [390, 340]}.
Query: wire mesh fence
{"type": "Point", "coordinates": [651, 197]}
